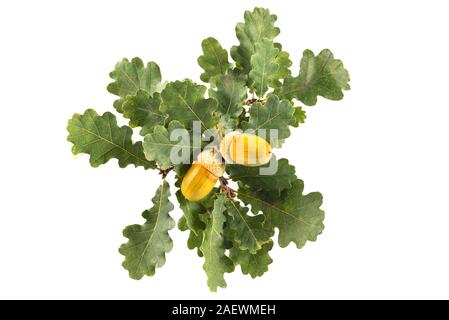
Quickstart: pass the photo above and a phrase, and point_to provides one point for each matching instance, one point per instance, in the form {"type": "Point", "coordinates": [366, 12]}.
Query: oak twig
{"type": "Point", "coordinates": [252, 100]}
{"type": "Point", "coordinates": [165, 172]}
{"type": "Point", "coordinates": [224, 186]}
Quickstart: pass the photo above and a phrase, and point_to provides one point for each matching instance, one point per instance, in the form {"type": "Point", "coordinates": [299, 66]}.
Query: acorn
{"type": "Point", "coordinates": [245, 149]}
{"type": "Point", "coordinates": [202, 176]}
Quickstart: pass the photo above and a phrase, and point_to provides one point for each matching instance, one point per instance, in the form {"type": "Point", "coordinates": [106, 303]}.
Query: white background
{"type": "Point", "coordinates": [380, 157]}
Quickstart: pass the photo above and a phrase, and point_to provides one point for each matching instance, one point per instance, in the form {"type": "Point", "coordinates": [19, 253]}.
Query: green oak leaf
{"type": "Point", "coordinates": [263, 66]}
{"type": "Point", "coordinates": [158, 146]}
{"type": "Point", "coordinates": [274, 114]}
{"type": "Point", "coordinates": [184, 101]}
{"type": "Point", "coordinates": [148, 243]}
{"type": "Point", "coordinates": [102, 139]}
{"type": "Point", "coordinates": [297, 216]}
{"type": "Point", "coordinates": [300, 116]}
{"type": "Point", "coordinates": [194, 218]}
{"type": "Point", "coordinates": [214, 60]}
{"type": "Point", "coordinates": [194, 241]}
{"type": "Point", "coordinates": [251, 176]}
{"type": "Point", "coordinates": [130, 76]}
{"type": "Point", "coordinates": [182, 224]}
{"type": "Point", "coordinates": [180, 171]}
{"type": "Point", "coordinates": [228, 236]}
{"type": "Point", "coordinates": [253, 264]}
{"type": "Point", "coordinates": [208, 201]}
{"type": "Point", "coordinates": [321, 75]}
{"type": "Point", "coordinates": [284, 63]}
{"type": "Point", "coordinates": [228, 123]}
{"type": "Point", "coordinates": [230, 93]}
{"type": "Point", "coordinates": [142, 110]}
{"type": "Point", "coordinates": [258, 25]}
{"type": "Point", "coordinates": [216, 262]}
{"type": "Point", "coordinates": [250, 233]}
{"type": "Point", "coordinates": [193, 212]}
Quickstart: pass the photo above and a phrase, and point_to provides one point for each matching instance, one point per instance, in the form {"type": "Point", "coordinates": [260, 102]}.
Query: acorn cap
{"type": "Point", "coordinates": [211, 160]}
{"type": "Point", "coordinates": [225, 144]}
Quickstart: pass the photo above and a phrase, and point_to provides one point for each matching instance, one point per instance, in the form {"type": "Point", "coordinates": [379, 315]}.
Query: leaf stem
{"type": "Point", "coordinates": [165, 172]}
{"type": "Point", "coordinates": [253, 100]}
{"type": "Point", "coordinates": [224, 186]}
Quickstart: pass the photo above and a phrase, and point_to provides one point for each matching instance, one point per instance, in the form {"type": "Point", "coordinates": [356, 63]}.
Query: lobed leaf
{"type": "Point", "coordinates": [251, 176]}
{"type": "Point", "coordinates": [184, 101]}
{"type": "Point", "coordinates": [321, 75]}
{"type": "Point", "coordinates": [297, 216]}
{"type": "Point", "coordinates": [158, 145]}
{"type": "Point", "coordinates": [142, 110]}
{"type": "Point", "coordinates": [148, 243]}
{"type": "Point", "coordinates": [216, 263]}
{"type": "Point", "coordinates": [194, 213]}
{"type": "Point", "coordinates": [230, 93]}
{"type": "Point", "coordinates": [264, 67]}
{"type": "Point", "coordinates": [102, 139]}
{"type": "Point", "coordinates": [253, 264]}
{"type": "Point", "coordinates": [284, 63]}
{"type": "Point", "coordinates": [273, 115]}
{"type": "Point", "coordinates": [258, 25]}
{"type": "Point", "coordinates": [214, 60]}
{"type": "Point", "coordinates": [249, 231]}
{"type": "Point", "coordinates": [131, 76]}
{"type": "Point", "coordinates": [194, 241]}
{"type": "Point", "coordinates": [300, 116]}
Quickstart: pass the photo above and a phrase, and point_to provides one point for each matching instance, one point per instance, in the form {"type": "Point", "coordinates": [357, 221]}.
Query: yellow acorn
{"type": "Point", "coordinates": [202, 175]}
{"type": "Point", "coordinates": [245, 149]}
